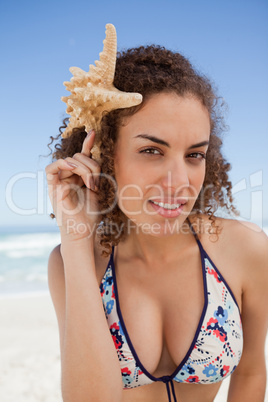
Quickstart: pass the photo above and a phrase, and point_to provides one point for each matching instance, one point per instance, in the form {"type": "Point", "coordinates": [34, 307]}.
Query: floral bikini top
{"type": "Point", "coordinates": [217, 345]}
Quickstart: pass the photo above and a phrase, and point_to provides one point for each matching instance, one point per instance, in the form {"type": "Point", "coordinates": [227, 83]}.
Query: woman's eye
{"type": "Point", "coordinates": [197, 155]}
{"type": "Point", "coordinates": [150, 151]}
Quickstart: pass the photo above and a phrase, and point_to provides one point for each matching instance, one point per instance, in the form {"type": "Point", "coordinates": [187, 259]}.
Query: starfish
{"type": "Point", "coordinates": [93, 92]}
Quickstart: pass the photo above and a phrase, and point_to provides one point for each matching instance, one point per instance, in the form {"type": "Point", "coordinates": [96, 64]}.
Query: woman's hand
{"type": "Point", "coordinates": [73, 186]}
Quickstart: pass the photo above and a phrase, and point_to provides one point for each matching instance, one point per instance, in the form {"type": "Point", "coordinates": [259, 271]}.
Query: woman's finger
{"type": "Point", "coordinates": [83, 169]}
{"type": "Point", "coordinates": [92, 165]}
{"type": "Point", "coordinates": [53, 169]}
{"type": "Point", "coordinates": [65, 174]}
{"type": "Point", "coordinates": [88, 143]}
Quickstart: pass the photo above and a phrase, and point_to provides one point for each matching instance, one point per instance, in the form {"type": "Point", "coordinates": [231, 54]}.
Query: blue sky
{"type": "Point", "coordinates": [39, 41]}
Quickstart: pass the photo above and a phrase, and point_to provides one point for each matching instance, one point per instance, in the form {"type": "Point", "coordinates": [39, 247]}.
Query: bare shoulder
{"type": "Point", "coordinates": [248, 237]}
{"type": "Point", "coordinates": [245, 243]}
{"type": "Point", "coordinates": [240, 251]}
{"type": "Point", "coordinates": [55, 270]}
{"type": "Point", "coordinates": [236, 233]}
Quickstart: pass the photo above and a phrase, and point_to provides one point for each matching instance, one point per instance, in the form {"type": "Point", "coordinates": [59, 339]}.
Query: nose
{"type": "Point", "coordinates": [176, 176]}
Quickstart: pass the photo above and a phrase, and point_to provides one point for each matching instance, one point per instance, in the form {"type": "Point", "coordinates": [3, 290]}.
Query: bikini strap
{"type": "Point", "coordinates": [191, 227]}
{"type": "Point", "coordinates": [170, 382]}
{"type": "Point", "coordinates": [195, 236]}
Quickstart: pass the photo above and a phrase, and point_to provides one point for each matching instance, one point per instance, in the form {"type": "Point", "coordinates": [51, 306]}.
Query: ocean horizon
{"type": "Point", "coordinates": [24, 253]}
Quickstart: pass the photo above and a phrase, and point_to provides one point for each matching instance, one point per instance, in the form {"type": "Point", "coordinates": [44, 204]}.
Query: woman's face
{"type": "Point", "coordinates": [160, 162]}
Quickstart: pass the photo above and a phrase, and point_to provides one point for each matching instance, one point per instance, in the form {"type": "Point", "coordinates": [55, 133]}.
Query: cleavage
{"type": "Point", "coordinates": [161, 313]}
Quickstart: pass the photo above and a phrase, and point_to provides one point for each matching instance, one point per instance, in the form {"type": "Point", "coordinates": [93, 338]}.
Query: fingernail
{"type": "Point", "coordinates": [90, 132]}
{"type": "Point", "coordinates": [71, 164]}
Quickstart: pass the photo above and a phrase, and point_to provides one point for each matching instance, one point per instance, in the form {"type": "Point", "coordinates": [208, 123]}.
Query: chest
{"type": "Point", "coordinates": [161, 310]}
{"type": "Point", "coordinates": [161, 320]}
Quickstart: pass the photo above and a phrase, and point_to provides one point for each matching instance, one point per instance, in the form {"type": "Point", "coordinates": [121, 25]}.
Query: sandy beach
{"type": "Point", "coordinates": [29, 352]}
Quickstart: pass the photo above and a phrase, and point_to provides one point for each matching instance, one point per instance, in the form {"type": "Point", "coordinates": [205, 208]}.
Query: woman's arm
{"type": "Point", "coordinates": [90, 367]}
{"type": "Point", "coordinates": [248, 382]}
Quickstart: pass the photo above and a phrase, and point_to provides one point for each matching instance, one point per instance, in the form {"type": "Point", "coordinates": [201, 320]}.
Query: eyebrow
{"type": "Point", "coordinates": [162, 142]}
{"type": "Point", "coordinates": [200, 144]}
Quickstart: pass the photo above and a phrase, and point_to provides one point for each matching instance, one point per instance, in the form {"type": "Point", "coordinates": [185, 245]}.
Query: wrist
{"type": "Point", "coordinates": [71, 244]}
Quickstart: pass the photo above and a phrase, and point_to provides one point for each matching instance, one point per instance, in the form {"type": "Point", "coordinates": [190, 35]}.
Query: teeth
{"type": "Point", "coordinates": [167, 206]}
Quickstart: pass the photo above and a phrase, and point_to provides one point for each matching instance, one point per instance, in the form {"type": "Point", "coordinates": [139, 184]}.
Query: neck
{"type": "Point", "coordinates": [150, 248]}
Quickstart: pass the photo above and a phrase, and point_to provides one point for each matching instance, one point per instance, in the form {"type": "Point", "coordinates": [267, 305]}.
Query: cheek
{"type": "Point", "coordinates": [129, 188]}
{"type": "Point", "coordinates": [130, 199]}
{"type": "Point", "coordinates": [201, 176]}
{"type": "Point", "coordinates": [197, 180]}
{"type": "Point", "coordinates": [128, 173]}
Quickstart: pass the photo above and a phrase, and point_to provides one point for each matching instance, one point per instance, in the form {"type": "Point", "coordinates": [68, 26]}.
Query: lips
{"type": "Point", "coordinates": [167, 202]}
{"type": "Point", "coordinates": [170, 211]}
{"type": "Point", "coordinates": [167, 205]}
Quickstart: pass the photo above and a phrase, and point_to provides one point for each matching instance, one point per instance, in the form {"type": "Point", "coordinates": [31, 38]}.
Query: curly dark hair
{"type": "Point", "coordinates": [148, 71]}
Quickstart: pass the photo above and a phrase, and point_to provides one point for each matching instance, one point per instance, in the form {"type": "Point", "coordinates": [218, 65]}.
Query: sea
{"type": "Point", "coordinates": [24, 253]}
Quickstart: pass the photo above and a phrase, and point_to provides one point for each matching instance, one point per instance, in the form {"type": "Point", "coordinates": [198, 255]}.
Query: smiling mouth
{"type": "Point", "coordinates": [166, 205]}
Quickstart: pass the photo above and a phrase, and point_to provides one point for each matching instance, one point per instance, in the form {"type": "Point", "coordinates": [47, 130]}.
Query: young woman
{"type": "Point", "coordinates": [149, 286]}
